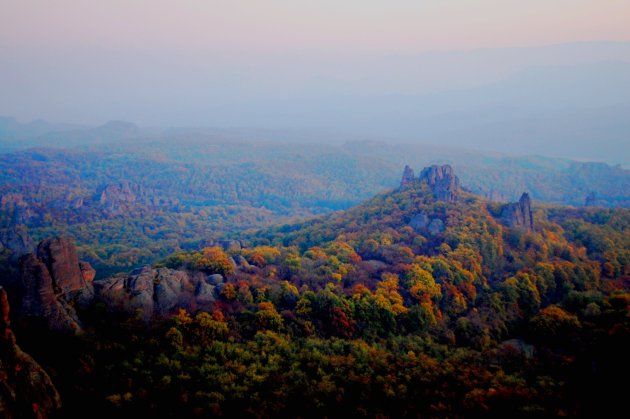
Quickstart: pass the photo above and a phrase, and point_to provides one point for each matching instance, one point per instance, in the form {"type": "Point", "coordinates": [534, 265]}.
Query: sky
{"type": "Point", "coordinates": [462, 72]}
{"type": "Point", "coordinates": [349, 26]}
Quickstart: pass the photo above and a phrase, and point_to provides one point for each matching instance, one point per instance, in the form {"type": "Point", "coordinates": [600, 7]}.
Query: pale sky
{"type": "Point", "coordinates": [362, 26]}
{"type": "Point", "coordinates": [341, 64]}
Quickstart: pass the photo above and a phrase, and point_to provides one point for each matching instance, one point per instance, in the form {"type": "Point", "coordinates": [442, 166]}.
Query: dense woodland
{"type": "Point", "coordinates": [360, 313]}
{"type": "Point", "coordinates": [133, 202]}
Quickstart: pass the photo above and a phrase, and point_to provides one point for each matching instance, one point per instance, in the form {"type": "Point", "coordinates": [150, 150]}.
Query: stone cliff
{"type": "Point", "coordinates": [52, 282]}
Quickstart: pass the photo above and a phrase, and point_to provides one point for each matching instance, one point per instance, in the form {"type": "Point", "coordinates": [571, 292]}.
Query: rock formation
{"type": "Point", "coordinates": [519, 214]}
{"type": "Point", "coordinates": [408, 178]}
{"type": "Point", "coordinates": [26, 390]}
{"type": "Point", "coordinates": [157, 292]}
{"type": "Point", "coordinates": [52, 282]}
{"type": "Point", "coordinates": [117, 199]}
{"type": "Point", "coordinates": [442, 181]}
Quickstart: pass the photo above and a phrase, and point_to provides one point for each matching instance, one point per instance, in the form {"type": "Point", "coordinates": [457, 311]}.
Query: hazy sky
{"type": "Point", "coordinates": [295, 63]}
{"type": "Point", "coordinates": [368, 26]}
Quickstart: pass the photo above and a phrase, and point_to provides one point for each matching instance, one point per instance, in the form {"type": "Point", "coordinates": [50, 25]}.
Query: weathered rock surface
{"type": "Point", "coordinates": [156, 292]}
{"type": "Point", "coordinates": [215, 279]}
{"type": "Point", "coordinates": [441, 180]}
{"type": "Point", "coordinates": [519, 214]}
{"type": "Point", "coordinates": [117, 199]}
{"type": "Point", "coordinates": [52, 282]}
{"type": "Point", "coordinates": [26, 390]}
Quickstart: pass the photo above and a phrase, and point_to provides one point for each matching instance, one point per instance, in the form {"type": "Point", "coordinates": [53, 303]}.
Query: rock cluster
{"type": "Point", "coordinates": [442, 181]}
{"type": "Point", "coordinates": [25, 388]}
{"type": "Point", "coordinates": [519, 214]}
{"type": "Point", "coordinates": [154, 292]}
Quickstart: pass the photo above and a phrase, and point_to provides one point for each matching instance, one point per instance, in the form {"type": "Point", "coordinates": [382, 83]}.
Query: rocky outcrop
{"type": "Point", "coordinates": [26, 390]}
{"type": "Point", "coordinates": [52, 282]}
{"type": "Point", "coordinates": [117, 199]}
{"type": "Point", "coordinates": [156, 292]}
{"type": "Point", "coordinates": [442, 181]}
{"type": "Point", "coordinates": [408, 178]}
{"type": "Point", "coordinates": [519, 214]}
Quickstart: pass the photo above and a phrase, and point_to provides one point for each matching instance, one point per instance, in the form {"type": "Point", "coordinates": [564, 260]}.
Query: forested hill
{"type": "Point", "coordinates": [133, 202]}
{"type": "Point", "coordinates": [424, 300]}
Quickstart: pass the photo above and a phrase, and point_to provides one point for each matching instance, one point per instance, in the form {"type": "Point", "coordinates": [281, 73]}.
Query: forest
{"type": "Point", "coordinates": [371, 312]}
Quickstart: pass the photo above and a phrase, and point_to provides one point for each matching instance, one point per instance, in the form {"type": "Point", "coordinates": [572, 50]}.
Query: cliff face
{"type": "Point", "coordinates": [52, 282]}
{"type": "Point", "coordinates": [26, 390]}
{"type": "Point", "coordinates": [519, 214]}
{"type": "Point", "coordinates": [442, 181]}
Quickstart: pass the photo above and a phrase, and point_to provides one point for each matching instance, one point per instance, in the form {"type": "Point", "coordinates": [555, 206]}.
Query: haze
{"type": "Point", "coordinates": [523, 77]}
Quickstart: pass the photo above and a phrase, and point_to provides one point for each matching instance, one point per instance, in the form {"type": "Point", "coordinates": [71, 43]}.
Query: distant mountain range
{"type": "Point", "coordinates": [568, 100]}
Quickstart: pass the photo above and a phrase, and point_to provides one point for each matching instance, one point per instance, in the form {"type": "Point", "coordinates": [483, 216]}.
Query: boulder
{"type": "Point", "coordinates": [215, 279]}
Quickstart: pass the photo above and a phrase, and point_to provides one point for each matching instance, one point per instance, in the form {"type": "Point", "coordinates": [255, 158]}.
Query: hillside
{"type": "Point", "coordinates": [424, 300]}
{"type": "Point", "coordinates": [128, 204]}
